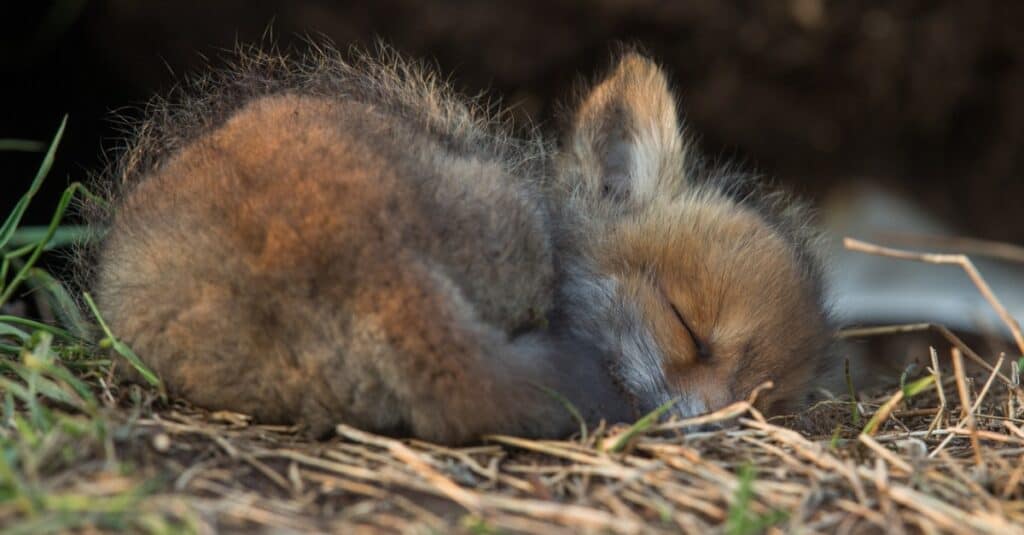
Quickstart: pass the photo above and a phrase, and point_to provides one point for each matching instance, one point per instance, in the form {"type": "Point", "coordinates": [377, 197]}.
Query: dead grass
{"type": "Point", "coordinates": [944, 453]}
{"type": "Point", "coordinates": [212, 472]}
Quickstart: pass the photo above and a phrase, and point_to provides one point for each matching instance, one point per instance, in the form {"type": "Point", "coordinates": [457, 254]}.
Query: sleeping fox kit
{"type": "Point", "coordinates": [318, 241]}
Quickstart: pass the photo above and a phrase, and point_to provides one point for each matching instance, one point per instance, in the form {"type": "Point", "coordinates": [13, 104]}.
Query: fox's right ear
{"type": "Point", "coordinates": [625, 134]}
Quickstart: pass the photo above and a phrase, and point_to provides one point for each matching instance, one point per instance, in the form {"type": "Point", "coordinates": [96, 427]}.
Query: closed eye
{"type": "Point", "coordinates": [702, 349]}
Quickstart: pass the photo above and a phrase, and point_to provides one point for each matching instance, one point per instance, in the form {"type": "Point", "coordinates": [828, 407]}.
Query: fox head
{"type": "Point", "coordinates": [700, 283]}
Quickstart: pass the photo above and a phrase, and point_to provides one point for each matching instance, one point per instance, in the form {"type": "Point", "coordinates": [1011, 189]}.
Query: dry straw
{"type": "Point", "coordinates": [938, 455]}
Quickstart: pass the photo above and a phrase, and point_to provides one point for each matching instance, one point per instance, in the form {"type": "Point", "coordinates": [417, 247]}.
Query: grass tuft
{"type": "Point", "coordinates": [56, 433]}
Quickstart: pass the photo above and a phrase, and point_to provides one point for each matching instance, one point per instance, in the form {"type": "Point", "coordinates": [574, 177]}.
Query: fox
{"type": "Point", "coordinates": [322, 239]}
{"type": "Point", "coordinates": [700, 281]}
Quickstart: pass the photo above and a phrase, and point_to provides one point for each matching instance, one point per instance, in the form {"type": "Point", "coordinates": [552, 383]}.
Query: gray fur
{"type": "Point", "coordinates": [316, 241]}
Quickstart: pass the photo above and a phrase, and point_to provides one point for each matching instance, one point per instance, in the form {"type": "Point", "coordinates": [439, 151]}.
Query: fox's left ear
{"type": "Point", "coordinates": [625, 135]}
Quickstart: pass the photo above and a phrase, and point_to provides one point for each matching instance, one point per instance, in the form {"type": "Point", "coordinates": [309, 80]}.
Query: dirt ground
{"type": "Point", "coordinates": [923, 95]}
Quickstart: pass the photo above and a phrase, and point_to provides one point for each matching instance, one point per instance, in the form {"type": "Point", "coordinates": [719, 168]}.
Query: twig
{"type": "Point", "coordinates": [863, 332]}
{"type": "Point", "coordinates": [955, 259]}
{"type": "Point", "coordinates": [470, 500]}
{"type": "Point", "coordinates": [966, 405]}
{"type": "Point", "coordinates": [960, 244]}
{"type": "Point", "coordinates": [937, 373]}
{"type": "Point", "coordinates": [889, 456]}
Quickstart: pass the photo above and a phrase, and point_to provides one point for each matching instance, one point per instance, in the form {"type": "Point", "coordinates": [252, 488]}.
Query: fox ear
{"type": "Point", "coordinates": [625, 135]}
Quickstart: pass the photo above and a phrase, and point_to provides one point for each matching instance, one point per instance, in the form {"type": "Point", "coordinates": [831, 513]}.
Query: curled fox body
{"type": "Point", "coordinates": [318, 242]}
{"type": "Point", "coordinates": [701, 284]}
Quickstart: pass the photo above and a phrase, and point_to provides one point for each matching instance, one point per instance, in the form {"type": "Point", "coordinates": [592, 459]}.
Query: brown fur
{"type": "Point", "coordinates": [316, 241]}
{"type": "Point", "coordinates": [647, 227]}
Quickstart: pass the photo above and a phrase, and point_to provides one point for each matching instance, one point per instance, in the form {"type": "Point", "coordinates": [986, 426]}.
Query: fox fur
{"type": "Point", "coordinates": [318, 241]}
{"type": "Point", "coordinates": [698, 281]}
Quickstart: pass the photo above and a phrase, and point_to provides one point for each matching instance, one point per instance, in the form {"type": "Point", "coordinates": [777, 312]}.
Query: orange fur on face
{"type": "Point", "coordinates": [737, 287]}
{"type": "Point", "coordinates": [702, 293]}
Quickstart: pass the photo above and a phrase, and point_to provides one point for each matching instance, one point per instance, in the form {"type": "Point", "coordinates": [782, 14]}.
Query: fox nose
{"type": "Point", "coordinates": [689, 405]}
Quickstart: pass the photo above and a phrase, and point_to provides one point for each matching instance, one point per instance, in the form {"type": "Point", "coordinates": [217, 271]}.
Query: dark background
{"type": "Point", "coordinates": [927, 96]}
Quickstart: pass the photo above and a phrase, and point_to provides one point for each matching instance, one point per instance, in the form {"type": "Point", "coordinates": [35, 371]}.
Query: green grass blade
{"type": "Point", "coordinates": [8, 409]}
{"type": "Point", "coordinates": [63, 304]}
{"type": "Point", "coordinates": [12, 221]}
{"type": "Point", "coordinates": [122, 348]}
{"type": "Point", "coordinates": [642, 425]}
{"type": "Point", "coordinates": [912, 389]}
{"type": "Point", "coordinates": [19, 252]}
{"type": "Point", "coordinates": [11, 331]}
{"type": "Point", "coordinates": [25, 322]}
{"type": "Point", "coordinates": [11, 478]}
{"type": "Point", "coordinates": [740, 519]}
{"type": "Point", "coordinates": [854, 407]}
{"type": "Point", "coordinates": [22, 145]}
{"type": "Point", "coordinates": [573, 411]}
{"type": "Point", "coordinates": [83, 390]}
{"type": "Point", "coordinates": [58, 216]}
{"type": "Point", "coordinates": [49, 389]}
{"type": "Point", "coordinates": [15, 389]}
{"type": "Point", "coordinates": [64, 235]}
{"type": "Point", "coordinates": [907, 392]}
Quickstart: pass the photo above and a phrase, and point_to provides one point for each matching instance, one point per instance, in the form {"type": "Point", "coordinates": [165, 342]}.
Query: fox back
{"type": "Point", "coordinates": [701, 283]}
{"type": "Point", "coordinates": [316, 241]}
